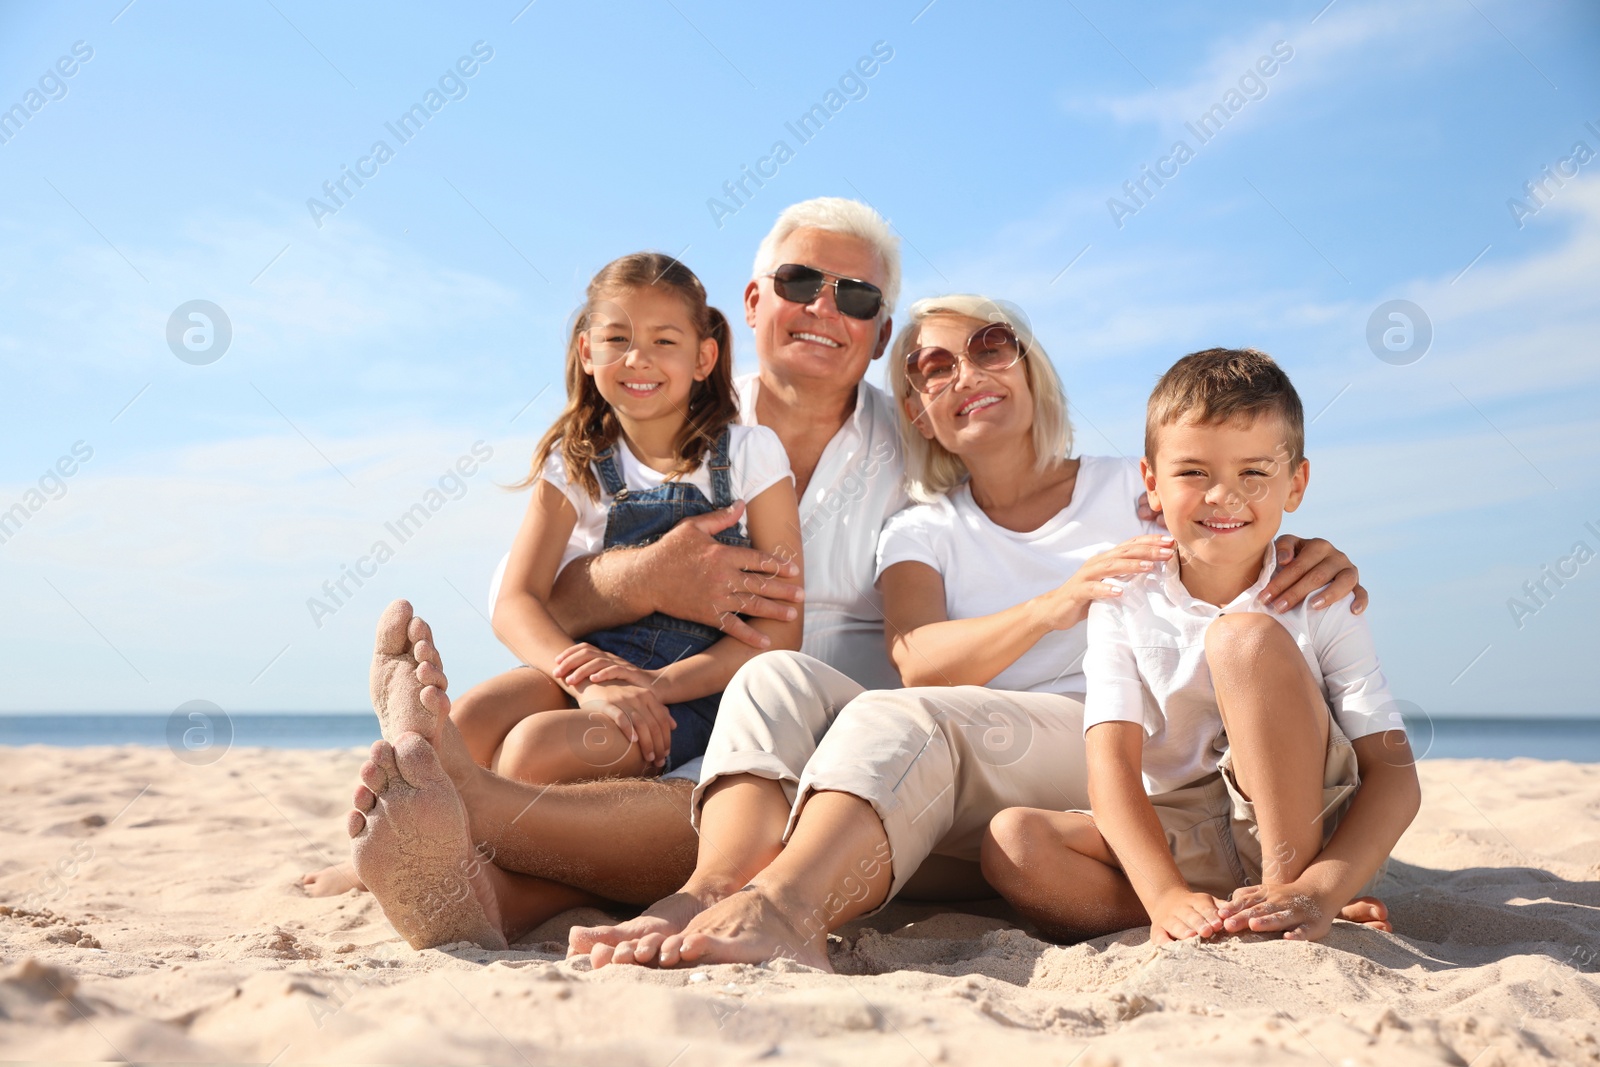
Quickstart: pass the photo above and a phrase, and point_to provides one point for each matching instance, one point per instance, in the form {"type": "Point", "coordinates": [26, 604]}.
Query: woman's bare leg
{"type": "Point", "coordinates": [741, 832]}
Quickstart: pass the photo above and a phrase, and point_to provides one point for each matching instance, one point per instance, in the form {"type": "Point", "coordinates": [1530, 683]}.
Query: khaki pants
{"type": "Point", "coordinates": [936, 764]}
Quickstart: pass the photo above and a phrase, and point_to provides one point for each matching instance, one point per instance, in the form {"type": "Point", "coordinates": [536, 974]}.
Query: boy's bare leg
{"type": "Point", "coordinates": [835, 867]}
{"type": "Point", "coordinates": [741, 831]}
{"type": "Point", "coordinates": [1277, 723]}
{"type": "Point", "coordinates": [1055, 868]}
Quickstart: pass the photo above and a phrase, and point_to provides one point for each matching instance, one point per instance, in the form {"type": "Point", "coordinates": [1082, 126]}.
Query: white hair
{"type": "Point", "coordinates": [931, 471]}
{"type": "Point", "coordinates": [835, 214]}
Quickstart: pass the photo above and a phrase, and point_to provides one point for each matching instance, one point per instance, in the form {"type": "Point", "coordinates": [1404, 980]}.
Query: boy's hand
{"type": "Point", "coordinates": [1182, 913]}
{"type": "Point", "coordinates": [638, 713]}
{"type": "Point", "coordinates": [1265, 909]}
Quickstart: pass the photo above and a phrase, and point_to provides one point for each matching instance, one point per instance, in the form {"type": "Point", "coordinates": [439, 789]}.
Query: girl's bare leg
{"type": "Point", "coordinates": [487, 713]}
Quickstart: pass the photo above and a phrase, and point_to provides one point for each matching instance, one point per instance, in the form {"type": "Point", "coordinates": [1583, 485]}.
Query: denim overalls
{"type": "Point", "coordinates": [641, 517]}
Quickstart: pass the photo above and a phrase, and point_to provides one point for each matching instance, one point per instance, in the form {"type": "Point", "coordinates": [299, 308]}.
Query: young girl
{"type": "Point", "coordinates": [648, 438]}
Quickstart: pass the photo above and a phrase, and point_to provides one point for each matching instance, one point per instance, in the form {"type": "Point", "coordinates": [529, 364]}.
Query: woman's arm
{"type": "Point", "coordinates": [927, 647]}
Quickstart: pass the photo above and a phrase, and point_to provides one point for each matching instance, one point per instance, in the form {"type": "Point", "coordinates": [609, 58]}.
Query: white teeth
{"type": "Point", "coordinates": [981, 402]}
{"type": "Point", "coordinates": [817, 338]}
{"type": "Point", "coordinates": [641, 387]}
{"type": "Point", "coordinates": [1215, 525]}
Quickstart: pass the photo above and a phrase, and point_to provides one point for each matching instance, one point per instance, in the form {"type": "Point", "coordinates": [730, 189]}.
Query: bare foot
{"type": "Point", "coordinates": [638, 939]}
{"type": "Point", "coordinates": [409, 690]}
{"type": "Point", "coordinates": [1368, 911]}
{"type": "Point", "coordinates": [331, 881]}
{"type": "Point", "coordinates": [408, 838]}
{"type": "Point", "coordinates": [744, 927]}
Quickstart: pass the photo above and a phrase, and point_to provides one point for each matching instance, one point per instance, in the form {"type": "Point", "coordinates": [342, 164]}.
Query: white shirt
{"type": "Point", "coordinates": [756, 462]}
{"type": "Point", "coordinates": [859, 482]}
{"type": "Point", "coordinates": [1147, 664]}
{"type": "Point", "coordinates": [988, 568]}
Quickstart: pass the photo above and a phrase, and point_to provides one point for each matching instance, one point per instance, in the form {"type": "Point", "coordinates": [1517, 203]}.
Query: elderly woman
{"type": "Point", "coordinates": [819, 802]}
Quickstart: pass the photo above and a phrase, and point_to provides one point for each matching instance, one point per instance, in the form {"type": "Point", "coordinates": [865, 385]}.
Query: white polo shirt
{"type": "Point", "coordinates": [1146, 663]}
{"type": "Point", "coordinates": [859, 482]}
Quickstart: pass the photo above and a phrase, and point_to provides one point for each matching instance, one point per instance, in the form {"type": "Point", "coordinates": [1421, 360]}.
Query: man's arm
{"type": "Point", "coordinates": [687, 574]}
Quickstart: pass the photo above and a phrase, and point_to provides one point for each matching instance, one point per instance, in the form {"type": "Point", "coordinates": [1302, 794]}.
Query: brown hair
{"type": "Point", "coordinates": [1223, 384]}
{"type": "Point", "coordinates": [587, 426]}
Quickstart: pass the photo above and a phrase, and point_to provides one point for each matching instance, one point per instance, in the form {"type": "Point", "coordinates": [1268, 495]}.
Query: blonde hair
{"type": "Point", "coordinates": [835, 214]}
{"type": "Point", "coordinates": [931, 469]}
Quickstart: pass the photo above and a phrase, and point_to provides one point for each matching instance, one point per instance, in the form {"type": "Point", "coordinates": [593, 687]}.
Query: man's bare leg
{"type": "Point", "coordinates": [741, 832]}
{"type": "Point", "coordinates": [835, 868]}
{"type": "Point", "coordinates": [626, 839]}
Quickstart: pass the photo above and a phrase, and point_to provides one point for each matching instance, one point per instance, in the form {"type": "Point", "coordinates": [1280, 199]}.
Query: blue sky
{"type": "Point", "coordinates": [373, 346]}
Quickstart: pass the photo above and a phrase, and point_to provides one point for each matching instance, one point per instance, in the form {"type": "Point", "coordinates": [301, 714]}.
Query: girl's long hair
{"type": "Point", "coordinates": [587, 426]}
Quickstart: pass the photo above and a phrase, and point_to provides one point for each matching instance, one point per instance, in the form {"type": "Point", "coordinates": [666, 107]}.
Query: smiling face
{"type": "Point", "coordinates": [981, 408]}
{"type": "Point", "coordinates": [645, 356]}
{"type": "Point", "coordinates": [814, 342]}
{"type": "Point", "coordinates": [1224, 487]}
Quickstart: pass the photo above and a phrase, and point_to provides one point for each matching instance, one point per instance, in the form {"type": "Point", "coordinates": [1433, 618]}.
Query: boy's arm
{"type": "Point", "coordinates": [1127, 821]}
{"type": "Point", "coordinates": [774, 524]}
{"type": "Point", "coordinates": [1382, 809]}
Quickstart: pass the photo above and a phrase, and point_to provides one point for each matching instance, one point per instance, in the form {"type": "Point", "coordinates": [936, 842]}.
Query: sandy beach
{"type": "Point", "coordinates": [151, 912]}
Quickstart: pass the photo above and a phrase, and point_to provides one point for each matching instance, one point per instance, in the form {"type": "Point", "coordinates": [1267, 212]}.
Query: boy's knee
{"type": "Point", "coordinates": [1012, 835]}
{"type": "Point", "coordinates": [1246, 636]}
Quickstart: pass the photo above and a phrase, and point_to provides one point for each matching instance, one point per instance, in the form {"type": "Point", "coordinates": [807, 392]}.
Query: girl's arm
{"type": "Point", "coordinates": [927, 647]}
{"type": "Point", "coordinates": [773, 519]}
{"type": "Point", "coordinates": [521, 620]}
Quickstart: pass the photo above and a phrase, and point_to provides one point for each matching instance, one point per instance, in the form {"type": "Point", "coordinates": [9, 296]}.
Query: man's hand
{"type": "Point", "coordinates": [1304, 566]}
{"type": "Point", "coordinates": [703, 580]}
{"type": "Point", "coordinates": [1182, 913]}
{"type": "Point", "coordinates": [1290, 908]}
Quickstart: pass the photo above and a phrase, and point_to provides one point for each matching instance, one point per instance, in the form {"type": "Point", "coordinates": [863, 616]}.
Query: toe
{"type": "Point", "coordinates": [392, 625]}
{"type": "Point", "coordinates": [355, 823]}
{"type": "Point", "coordinates": [425, 652]}
{"type": "Point", "coordinates": [646, 947]}
{"type": "Point", "coordinates": [600, 955]}
{"type": "Point", "coordinates": [671, 950]}
{"type": "Point", "coordinates": [419, 631]}
{"type": "Point", "coordinates": [418, 762]}
{"type": "Point", "coordinates": [365, 799]}
{"type": "Point", "coordinates": [383, 757]}
{"type": "Point", "coordinates": [623, 953]}
{"type": "Point", "coordinates": [374, 779]}
{"type": "Point", "coordinates": [434, 699]}
{"type": "Point", "coordinates": [428, 674]}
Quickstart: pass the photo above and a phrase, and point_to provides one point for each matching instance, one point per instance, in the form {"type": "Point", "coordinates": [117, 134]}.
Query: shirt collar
{"type": "Point", "coordinates": [1179, 594]}
{"type": "Point", "coordinates": [749, 386]}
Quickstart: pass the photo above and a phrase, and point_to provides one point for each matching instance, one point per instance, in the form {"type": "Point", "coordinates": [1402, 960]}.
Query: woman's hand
{"type": "Point", "coordinates": [1067, 605]}
{"type": "Point", "coordinates": [638, 713]}
{"type": "Point", "coordinates": [1304, 566]}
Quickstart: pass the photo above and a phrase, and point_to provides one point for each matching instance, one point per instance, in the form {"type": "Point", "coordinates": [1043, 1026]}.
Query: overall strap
{"type": "Point", "coordinates": [605, 465]}
{"type": "Point", "coordinates": [721, 482]}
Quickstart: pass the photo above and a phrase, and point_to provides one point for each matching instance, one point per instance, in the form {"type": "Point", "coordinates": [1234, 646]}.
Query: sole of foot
{"type": "Point", "coordinates": [744, 927]}
{"type": "Point", "coordinates": [410, 845]}
{"type": "Point", "coordinates": [637, 941]}
{"type": "Point", "coordinates": [331, 881]}
{"type": "Point", "coordinates": [405, 667]}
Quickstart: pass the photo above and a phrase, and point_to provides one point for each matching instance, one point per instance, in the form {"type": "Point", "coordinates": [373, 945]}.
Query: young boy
{"type": "Point", "coordinates": [1247, 770]}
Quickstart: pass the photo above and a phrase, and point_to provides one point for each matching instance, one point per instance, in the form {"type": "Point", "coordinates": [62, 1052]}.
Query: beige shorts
{"type": "Point", "coordinates": [1211, 825]}
{"type": "Point", "coordinates": [936, 763]}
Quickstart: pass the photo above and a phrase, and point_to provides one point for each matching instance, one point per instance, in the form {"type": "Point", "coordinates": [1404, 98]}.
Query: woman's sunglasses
{"type": "Point", "coordinates": [800, 285]}
{"type": "Point", "coordinates": [993, 347]}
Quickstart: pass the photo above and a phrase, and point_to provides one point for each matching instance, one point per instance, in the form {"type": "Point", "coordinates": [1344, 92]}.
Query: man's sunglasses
{"type": "Point", "coordinates": [993, 347]}
{"type": "Point", "coordinates": [800, 285]}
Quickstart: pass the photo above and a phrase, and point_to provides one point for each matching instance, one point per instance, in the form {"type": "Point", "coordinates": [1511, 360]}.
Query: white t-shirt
{"type": "Point", "coordinates": [859, 482]}
{"type": "Point", "coordinates": [1147, 664]}
{"type": "Point", "coordinates": [756, 462]}
{"type": "Point", "coordinates": [988, 568]}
